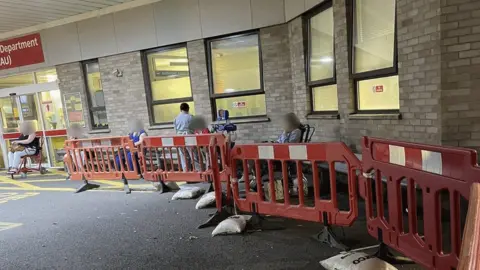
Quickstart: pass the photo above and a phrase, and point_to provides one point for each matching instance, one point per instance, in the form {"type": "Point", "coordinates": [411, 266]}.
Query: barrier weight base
{"type": "Point", "coordinates": [86, 186]}
{"type": "Point", "coordinates": [259, 223]}
{"type": "Point", "coordinates": [327, 236]}
{"type": "Point", "coordinates": [126, 188]}
{"type": "Point", "coordinates": [218, 217]}
{"type": "Point", "coordinates": [383, 253]}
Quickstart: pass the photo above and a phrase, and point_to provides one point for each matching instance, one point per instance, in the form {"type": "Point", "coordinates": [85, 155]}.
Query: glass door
{"type": "Point", "coordinates": [54, 125]}
{"type": "Point", "coordinates": [10, 118]}
{"type": "Point", "coordinates": [45, 110]}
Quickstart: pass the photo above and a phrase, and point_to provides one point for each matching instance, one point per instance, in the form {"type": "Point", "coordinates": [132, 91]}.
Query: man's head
{"type": "Point", "coordinates": [184, 107]}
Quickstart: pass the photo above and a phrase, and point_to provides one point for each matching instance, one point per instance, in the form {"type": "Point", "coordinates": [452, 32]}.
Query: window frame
{"type": "Point", "coordinates": [373, 74]}
{"type": "Point", "coordinates": [211, 83]}
{"type": "Point", "coordinates": [307, 52]}
{"type": "Point", "coordinates": [92, 109]}
{"type": "Point", "coordinates": [148, 84]}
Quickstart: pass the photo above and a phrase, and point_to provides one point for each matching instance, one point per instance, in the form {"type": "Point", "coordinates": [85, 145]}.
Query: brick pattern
{"type": "Point", "coordinates": [438, 67]}
{"type": "Point", "coordinates": [71, 81]}
{"type": "Point", "coordinates": [301, 97]}
{"type": "Point", "coordinates": [276, 76]}
{"type": "Point", "coordinates": [125, 96]}
{"type": "Point", "coordinates": [419, 72]}
{"type": "Point", "coordinates": [199, 78]}
{"type": "Point", "coordinates": [460, 30]}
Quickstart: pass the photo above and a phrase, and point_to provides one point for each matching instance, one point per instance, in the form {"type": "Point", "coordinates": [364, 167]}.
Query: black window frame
{"type": "Point", "coordinates": [373, 74]}
{"type": "Point", "coordinates": [148, 85]}
{"type": "Point", "coordinates": [92, 109]}
{"type": "Point", "coordinates": [308, 50]}
{"type": "Point", "coordinates": [211, 84]}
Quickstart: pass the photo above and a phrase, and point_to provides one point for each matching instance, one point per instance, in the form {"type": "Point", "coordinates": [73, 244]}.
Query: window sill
{"type": "Point", "coordinates": [99, 131]}
{"type": "Point", "coordinates": [249, 120]}
{"type": "Point", "coordinates": [334, 116]}
{"type": "Point", "coordinates": [380, 116]}
{"type": "Point", "coordinates": [161, 127]}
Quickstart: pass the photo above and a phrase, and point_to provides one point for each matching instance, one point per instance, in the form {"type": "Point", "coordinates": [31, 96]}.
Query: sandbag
{"type": "Point", "coordinates": [206, 200]}
{"type": "Point", "coordinates": [278, 190]}
{"type": "Point", "coordinates": [186, 193]}
{"type": "Point", "coordinates": [356, 261]}
{"type": "Point", "coordinates": [231, 225]}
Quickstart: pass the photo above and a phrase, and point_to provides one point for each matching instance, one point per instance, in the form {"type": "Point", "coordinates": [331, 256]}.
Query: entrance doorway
{"type": "Point", "coordinates": [42, 105]}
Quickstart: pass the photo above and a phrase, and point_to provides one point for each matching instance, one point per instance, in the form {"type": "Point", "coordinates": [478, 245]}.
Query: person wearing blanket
{"type": "Point", "coordinates": [137, 135]}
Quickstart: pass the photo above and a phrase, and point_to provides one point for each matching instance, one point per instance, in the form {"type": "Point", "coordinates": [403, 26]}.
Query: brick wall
{"type": "Point", "coordinates": [438, 63]}
{"type": "Point", "coordinates": [419, 72]}
{"type": "Point", "coordinates": [197, 62]}
{"type": "Point", "coordinates": [124, 96]}
{"type": "Point", "coordinates": [71, 81]}
{"type": "Point", "coordinates": [460, 31]}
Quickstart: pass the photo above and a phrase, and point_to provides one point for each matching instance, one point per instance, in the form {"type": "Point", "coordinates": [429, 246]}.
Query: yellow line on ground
{"type": "Point", "coordinates": [16, 196]}
{"type": "Point", "coordinates": [36, 189]}
{"type": "Point", "coordinates": [116, 184]}
{"type": "Point", "coordinates": [43, 181]}
{"type": "Point", "coordinates": [6, 225]}
{"type": "Point", "coordinates": [7, 180]}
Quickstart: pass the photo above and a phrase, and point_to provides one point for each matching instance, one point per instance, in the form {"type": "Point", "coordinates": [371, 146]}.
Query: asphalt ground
{"type": "Point", "coordinates": [44, 225]}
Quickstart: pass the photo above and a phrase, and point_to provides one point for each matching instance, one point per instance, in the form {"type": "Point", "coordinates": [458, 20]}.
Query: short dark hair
{"type": "Point", "coordinates": [184, 107]}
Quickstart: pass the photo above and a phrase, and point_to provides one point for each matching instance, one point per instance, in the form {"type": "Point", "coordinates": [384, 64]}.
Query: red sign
{"type": "Point", "coordinates": [378, 89]}
{"type": "Point", "coordinates": [239, 104]}
{"type": "Point", "coordinates": [22, 51]}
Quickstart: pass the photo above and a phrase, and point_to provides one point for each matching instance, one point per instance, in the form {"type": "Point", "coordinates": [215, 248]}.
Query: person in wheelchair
{"type": "Point", "coordinates": [292, 133]}
{"type": "Point", "coordinates": [26, 145]}
{"type": "Point", "coordinates": [137, 135]}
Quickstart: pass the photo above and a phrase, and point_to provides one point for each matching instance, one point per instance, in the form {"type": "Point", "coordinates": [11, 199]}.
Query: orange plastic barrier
{"type": "Point", "coordinates": [470, 253]}
{"type": "Point", "coordinates": [101, 159]}
{"type": "Point", "coordinates": [428, 171]}
{"type": "Point", "coordinates": [294, 157]}
{"type": "Point", "coordinates": [186, 158]}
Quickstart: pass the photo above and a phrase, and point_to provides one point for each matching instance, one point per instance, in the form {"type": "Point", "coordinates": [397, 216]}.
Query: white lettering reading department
{"type": "Point", "coordinates": [18, 46]}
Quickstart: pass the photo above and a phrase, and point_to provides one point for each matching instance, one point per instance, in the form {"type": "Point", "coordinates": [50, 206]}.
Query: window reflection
{"type": "Point", "coordinates": [236, 64]}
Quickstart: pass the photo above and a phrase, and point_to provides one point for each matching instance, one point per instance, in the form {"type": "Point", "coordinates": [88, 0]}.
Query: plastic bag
{"type": "Point", "coordinates": [356, 261]}
{"type": "Point", "coordinates": [188, 193]}
{"type": "Point", "coordinates": [231, 225]}
{"type": "Point", "coordinates": [206, 200]}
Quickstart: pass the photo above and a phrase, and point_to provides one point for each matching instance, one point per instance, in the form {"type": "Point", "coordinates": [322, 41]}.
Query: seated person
{"type": "Point", "coordinates": [137, 135]}
{"type": "Point", "coordinates": [291, 129]}
{"type": "Point", "coordinates": [75, 133]}
{"type": "Point", "coordinates": [291, 134]}
{"type": "Point", "coordinates": [26, 145]}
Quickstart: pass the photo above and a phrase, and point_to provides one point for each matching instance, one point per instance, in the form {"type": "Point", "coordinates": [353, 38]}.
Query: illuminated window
{"type": "Point", "coordinates": [95, 98]}
{"type": "Point", "coordinates": [46, 76]}
{"type": "Point", "coordinates": [374, 55]}
{"type": "Point", "coordinates": [236, 75]}
{"type": "Point", "coordinates": [16, 80]}
{"type": "Point", "coordinates": [169, 83]}
{"type": "Point", "coordinates": [321, 60]}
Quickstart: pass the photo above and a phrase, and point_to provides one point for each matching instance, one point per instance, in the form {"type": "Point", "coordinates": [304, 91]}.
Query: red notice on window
{"type": "Point", "coordinates": [239, 104]}
{"type": "Point", "coordinates": [21, 51]}
{"type": "Point", "coordinates": [378, 89]}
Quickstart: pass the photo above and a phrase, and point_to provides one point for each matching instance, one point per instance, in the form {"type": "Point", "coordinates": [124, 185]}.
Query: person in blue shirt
{"type": "Point", "coordinates": [137, 135]}
{"type": "Point", "coordinates": [182, 124]}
